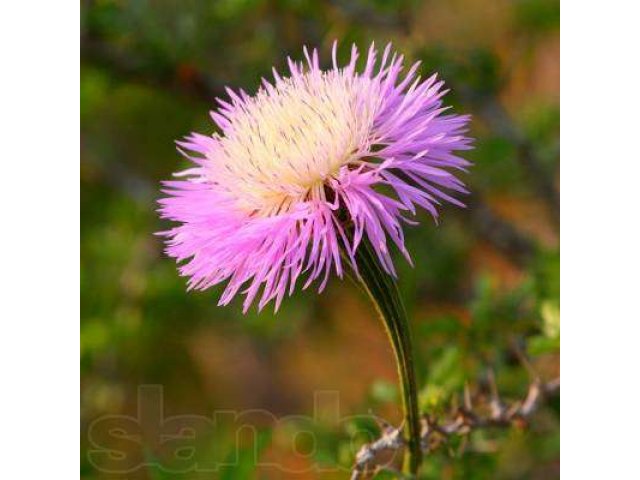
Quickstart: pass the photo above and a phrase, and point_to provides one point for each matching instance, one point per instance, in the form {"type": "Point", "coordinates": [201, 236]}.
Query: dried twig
{"type": "Point", "coordinates": [377, 455]}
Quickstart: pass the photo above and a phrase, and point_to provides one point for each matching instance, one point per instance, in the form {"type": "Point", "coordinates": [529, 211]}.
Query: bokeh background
{"type": "Point", "coordinates": [484, 292]}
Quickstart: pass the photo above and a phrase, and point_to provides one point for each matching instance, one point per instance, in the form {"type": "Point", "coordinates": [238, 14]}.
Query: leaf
{"type": "Point", "coordinates": [550, 312]}
{"type": "Point", "coordinates": [540, 345]}
{"type": "Point", "coordinates": [384, 392]}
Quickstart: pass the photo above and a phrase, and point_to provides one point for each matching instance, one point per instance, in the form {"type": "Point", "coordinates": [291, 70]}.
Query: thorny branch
{"type": "Point", "coordinates": [374, 457]}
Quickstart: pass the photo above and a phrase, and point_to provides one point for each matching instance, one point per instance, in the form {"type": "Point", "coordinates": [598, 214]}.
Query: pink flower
{"type": "Point", "coordinates": [268, 199]}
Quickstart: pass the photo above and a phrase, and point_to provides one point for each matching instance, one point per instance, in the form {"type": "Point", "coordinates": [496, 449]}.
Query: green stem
{"type": "Point", "coordinates": [383, 291]}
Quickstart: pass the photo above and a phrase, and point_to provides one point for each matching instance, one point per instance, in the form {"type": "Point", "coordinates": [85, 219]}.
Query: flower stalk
{"type": "Point", "coordinates": [383, 292]}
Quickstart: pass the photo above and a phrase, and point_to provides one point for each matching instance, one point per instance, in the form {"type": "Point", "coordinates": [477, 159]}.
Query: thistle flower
{"type": "Point", "coordinates": [308, 167]}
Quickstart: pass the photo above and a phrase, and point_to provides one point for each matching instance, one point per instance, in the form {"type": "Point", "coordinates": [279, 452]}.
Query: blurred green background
{"type": "Point", "coordinates": [485, 286]}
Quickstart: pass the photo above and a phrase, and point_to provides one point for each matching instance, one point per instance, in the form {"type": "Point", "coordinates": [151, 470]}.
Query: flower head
{"type": "Point", "coordinates": [269, 198]}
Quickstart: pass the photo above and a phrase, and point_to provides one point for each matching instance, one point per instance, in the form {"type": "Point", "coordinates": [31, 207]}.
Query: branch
{"type": "Point", "coordinates": [374, 457]}
{"type": "Point", "coordinates": [503, 235]}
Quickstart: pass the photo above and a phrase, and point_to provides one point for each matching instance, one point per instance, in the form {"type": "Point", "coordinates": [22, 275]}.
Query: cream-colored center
{"type": "Point", "coordinates": [283, 144]}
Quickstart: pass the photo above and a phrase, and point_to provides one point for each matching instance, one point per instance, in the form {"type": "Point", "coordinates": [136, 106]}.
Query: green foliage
{"type": "Point", "coordinates": [446, 378]}
{"type": "Point", "coordinates": [384, 392]}
{"type": "Point", "coordinates": [245, 466]}
{"type": "Point", "coordinates": [538, 15]}
{"type": "Point", "coordinates": [549, 340]}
